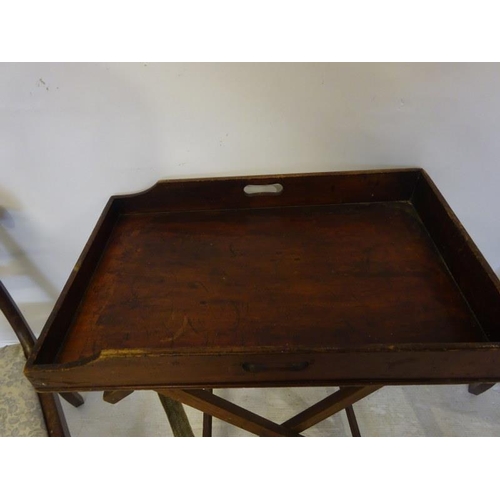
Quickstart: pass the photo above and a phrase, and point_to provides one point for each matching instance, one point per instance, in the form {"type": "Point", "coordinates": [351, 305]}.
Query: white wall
{"type": "Point", "coordinates": [71, 135]}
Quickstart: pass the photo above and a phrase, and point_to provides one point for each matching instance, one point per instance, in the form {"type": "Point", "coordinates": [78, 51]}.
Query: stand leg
{"type": "Point", "coordinates": [73, 398]}
{"type": "Point", "coordinates": [207, 421]}
{"type": "Point", "coordinates": [114, 397]}
{"type": "Point", "coordinates": [353, 423]}
{"type": "Point", "coordinates": [176, 416]}
{"type": "Point", "coordinates": [340, 400]}
{"type": "Point", "coordinates": [209, 403]}
{"type": "Point", "coordinates": [477, 389]}
{"type": "Point", "coordinates": [227, 411]}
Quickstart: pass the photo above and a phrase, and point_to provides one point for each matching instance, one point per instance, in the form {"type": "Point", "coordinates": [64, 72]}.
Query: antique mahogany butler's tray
{"type": "Point", "coordinates": [352, 279]}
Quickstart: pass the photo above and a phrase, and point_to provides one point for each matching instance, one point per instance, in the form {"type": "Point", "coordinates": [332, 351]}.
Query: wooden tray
{"type": "Point", "coordinates": [326, 279]}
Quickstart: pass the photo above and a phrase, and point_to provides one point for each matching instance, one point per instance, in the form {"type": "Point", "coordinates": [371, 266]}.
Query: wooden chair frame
{"type": "Point", "coordinates": [50, 404]}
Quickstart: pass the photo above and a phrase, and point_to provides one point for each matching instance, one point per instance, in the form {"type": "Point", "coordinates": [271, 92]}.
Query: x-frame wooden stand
{"type": "Point", "coordinates": [214, 406]}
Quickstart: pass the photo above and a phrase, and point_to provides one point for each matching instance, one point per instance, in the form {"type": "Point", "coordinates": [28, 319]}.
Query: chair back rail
{"type": "Point", "coordinates": [16, 320]}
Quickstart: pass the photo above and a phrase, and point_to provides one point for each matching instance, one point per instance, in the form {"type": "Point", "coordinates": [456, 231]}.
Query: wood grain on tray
{"type": "Point", "coordinates": [319, 278]}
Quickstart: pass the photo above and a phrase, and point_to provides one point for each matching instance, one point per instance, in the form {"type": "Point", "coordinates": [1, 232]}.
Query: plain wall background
{"type": "Point", "coordinates": [72, 135]}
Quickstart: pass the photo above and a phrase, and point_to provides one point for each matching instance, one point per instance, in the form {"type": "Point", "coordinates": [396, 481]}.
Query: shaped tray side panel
{"type": "Point", "coordinates": [472, 273]}
{"type": "Point", "coordinates": [306, 189]}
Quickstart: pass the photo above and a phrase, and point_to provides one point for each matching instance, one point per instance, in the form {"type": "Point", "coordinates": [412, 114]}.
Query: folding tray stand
{"type": "Point", "coordinates": [349, 279]}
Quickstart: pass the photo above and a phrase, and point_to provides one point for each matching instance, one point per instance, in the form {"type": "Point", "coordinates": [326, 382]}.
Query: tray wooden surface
{"type": "Point", "coordinates": [339, 278]}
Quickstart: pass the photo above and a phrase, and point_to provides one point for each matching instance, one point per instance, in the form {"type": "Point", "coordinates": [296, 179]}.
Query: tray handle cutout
{"type": "Point", "coordinates": [263, 189]}
{"type": "Point", "coordinates": [275, 367]}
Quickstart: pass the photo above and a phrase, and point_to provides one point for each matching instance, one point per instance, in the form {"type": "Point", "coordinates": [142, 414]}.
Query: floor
{"type": "Point", "coordinates": [392, 411]}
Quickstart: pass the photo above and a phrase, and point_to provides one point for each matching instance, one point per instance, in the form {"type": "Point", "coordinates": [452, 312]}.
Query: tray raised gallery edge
{"type": "Point", "coordinates": [345, 278]}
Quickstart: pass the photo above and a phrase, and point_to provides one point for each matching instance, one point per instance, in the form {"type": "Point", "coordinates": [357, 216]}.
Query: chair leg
{"type": "Point", "coordinates": [73, 398]}
{"type": "Point", "coordinates": [26, 336]}
{"type": "Point", "coordinates": [53, 415]}
{"type": "Point", "coordinates": [477, 389]}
